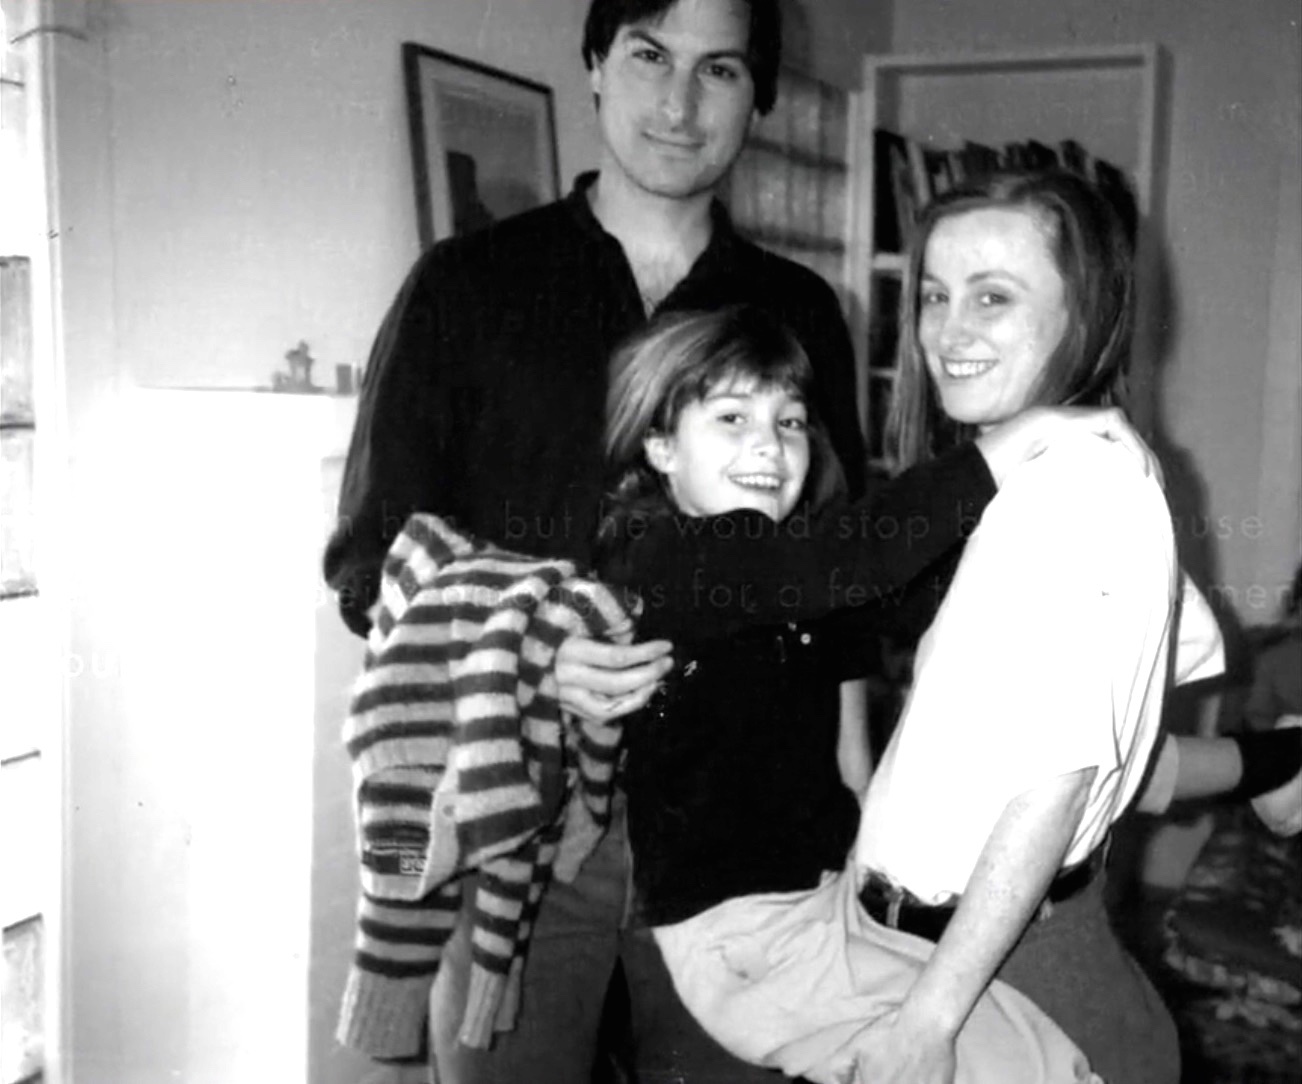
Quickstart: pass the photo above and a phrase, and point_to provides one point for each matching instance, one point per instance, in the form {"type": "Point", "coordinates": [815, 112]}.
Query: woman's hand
{"type": "Point", "coordinates": [1280, 810]}
{"type": "Point", "coordinates": [600, 681]}
{"type": "Point", "coordinates": [893, 1051]}
{"type": "Point", "coordinates": [1026, 436]}
{"type": "Point", "coordinates": [1022, 854]}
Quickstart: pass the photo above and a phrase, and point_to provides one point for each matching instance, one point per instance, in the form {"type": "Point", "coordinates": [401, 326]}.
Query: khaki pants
{"type": "Point", "coordinates": [796, 981]}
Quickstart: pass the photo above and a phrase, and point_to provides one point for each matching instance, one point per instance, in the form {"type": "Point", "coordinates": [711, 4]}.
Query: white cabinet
{"type": "Point", "coordinates": [213, 876]}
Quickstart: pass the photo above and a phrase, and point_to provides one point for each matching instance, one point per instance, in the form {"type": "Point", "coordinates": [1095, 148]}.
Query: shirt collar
{"type": "Point", "coordinates": [723, 235]}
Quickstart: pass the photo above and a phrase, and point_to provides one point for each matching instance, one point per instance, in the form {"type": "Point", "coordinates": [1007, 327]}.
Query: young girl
{"type": "Point", "coordinates": [725, 526]}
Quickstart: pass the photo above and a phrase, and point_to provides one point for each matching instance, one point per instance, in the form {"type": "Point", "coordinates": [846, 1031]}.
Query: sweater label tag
{"type": "Point", "coordinates": [402, 861]}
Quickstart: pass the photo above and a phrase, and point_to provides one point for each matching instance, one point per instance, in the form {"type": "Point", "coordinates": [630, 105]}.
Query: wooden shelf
{"type": "Point", "coordinates": [821, 162]}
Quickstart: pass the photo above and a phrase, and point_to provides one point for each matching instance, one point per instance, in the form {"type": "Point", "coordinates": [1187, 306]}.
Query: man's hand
{"type": "Point", "coordinates": [1026, 436]}
{"type": "Point", "coordinates": [894, 1052]}
{"type": "Point", "coordinates": [600, 681]}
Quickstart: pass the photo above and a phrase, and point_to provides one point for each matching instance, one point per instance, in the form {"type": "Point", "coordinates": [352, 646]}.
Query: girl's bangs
{"type": "Point", "coordinates": [788, 372]}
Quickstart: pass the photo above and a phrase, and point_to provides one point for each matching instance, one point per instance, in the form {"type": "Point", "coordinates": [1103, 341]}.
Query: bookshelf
{"type": "Point", "coordinates": [787, 191]}
{"type": "Point", "coordinates": [1103, 99]}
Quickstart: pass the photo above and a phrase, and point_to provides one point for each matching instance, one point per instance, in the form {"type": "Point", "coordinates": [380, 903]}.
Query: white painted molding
{"type": "Point", "coordinates": [67, 17]}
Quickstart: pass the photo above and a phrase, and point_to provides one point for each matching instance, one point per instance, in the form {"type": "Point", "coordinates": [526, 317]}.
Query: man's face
{"type": "Point", "coordinates": [676, 98]}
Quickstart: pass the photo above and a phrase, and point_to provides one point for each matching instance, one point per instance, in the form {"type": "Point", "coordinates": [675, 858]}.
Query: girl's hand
{"type": "Point", "coordinates": [600, 681]}
{"type": "Point", "coordinates": [1026, 436]}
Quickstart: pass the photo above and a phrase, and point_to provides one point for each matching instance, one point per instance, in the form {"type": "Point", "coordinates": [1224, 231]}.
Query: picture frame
{"type": "Point", "coordinates": [483, 142]}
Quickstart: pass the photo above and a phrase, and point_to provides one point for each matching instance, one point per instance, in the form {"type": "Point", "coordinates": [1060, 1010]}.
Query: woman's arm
{"type": "Point", "coordinates": [1239, 767]}
{"type": "Point", "coordinates": [1019, 861]}
{"type": "Point", "coordinates": [854, 756]}
{"type": "Point", "coordinates": [1189, 768]}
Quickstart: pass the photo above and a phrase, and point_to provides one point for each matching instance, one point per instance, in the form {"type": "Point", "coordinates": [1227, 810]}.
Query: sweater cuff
{"type": "Point", "coordinates": [384, 1017]}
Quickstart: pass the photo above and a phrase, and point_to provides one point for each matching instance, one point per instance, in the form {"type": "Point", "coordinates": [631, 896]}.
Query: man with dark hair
{"type": "Point", "coordinates": [763, 42]}
{"type": "Point", "coordinates": [484, 402]}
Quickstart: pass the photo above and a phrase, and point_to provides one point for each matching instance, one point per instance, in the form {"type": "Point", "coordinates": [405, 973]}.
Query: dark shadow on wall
{"type": "Point", "coordinates": [797, 39]}
{"type": "Point", "coordinates": [802, 32]}
{"type": "Point", "coordinates": [1197, 533]}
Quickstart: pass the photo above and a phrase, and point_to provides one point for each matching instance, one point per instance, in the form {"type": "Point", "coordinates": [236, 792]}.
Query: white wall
{"type": "Point", "coordinates": [1231, 377]}
{"type": "Point", "coordinates": [827, 38]}
{"type": "Point", "coordinates": [261, 168]}
{"type": "Point", "coordinates": [261, 171]}
{"type": "Point", "coordinates": [195, 788]}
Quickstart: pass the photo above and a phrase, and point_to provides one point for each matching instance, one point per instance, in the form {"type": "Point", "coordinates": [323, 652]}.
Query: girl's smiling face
{"type": "Point", "coordinates": [992, 309]}
{"type": "Point", "coordinates": [745, 445]}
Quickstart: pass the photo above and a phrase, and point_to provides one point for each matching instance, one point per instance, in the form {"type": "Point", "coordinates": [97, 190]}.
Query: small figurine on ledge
{"type": "Point", "coordinates": [299, 377]}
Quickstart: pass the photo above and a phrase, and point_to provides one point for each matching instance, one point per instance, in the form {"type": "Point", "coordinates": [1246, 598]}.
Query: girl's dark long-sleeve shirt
{"type": "Point", "coordinates": [732, 774]}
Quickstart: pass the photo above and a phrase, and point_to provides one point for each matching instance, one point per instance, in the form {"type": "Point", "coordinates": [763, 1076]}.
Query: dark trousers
{"type": "Point", "coordinates": [1072, 966]}
{"type": "Point", "coordinates": [583, 929]}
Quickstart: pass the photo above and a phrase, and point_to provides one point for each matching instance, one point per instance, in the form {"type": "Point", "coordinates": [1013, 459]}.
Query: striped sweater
{"type": "Point", "coordinates": [466, 771]}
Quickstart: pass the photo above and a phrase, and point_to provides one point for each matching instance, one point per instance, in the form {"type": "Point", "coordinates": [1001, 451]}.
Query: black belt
{"type": "Point", "coordinates": [902, 910]}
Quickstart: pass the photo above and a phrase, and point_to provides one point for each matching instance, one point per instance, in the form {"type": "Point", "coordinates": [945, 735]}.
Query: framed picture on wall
{"type": "Point", "coordinates": [483, 142]}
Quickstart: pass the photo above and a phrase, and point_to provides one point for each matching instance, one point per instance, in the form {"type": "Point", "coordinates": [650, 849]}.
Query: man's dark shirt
{"type": "Point", "coordinates": [484, 397]}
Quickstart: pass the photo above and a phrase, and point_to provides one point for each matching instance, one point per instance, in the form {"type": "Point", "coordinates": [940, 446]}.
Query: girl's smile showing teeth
{"type": "Point", "coordinates": [743, 445]}
{"type": "Point", "coordinates": [960, 370]}
{"type": "Point", "coordinates": [758, 481]}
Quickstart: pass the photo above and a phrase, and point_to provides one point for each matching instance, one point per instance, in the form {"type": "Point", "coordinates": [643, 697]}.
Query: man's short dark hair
{"type": "Point", "coordinates": [763, 46]}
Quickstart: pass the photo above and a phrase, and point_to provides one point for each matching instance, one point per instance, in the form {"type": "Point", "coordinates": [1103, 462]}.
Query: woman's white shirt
{"type": "Point", "coordinates": [1049, 654]}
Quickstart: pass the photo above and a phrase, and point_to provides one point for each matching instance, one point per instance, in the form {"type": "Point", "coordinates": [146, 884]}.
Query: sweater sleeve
{"type": "Point", "coordinates": [397, 445]}
{"type": "Point", "coordinates": [710, 576]}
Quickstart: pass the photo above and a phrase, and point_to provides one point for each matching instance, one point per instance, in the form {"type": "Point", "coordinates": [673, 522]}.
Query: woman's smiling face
{"type": "Point", "coordinates": [992, 309]}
